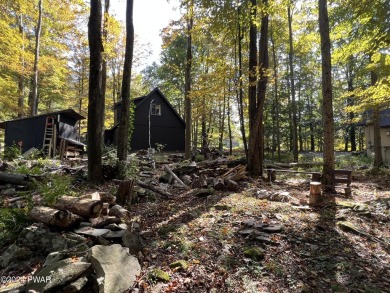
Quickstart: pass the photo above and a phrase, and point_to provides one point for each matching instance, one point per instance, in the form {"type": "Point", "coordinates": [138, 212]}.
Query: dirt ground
{"type": "Point", "coordinates": [315, 251]}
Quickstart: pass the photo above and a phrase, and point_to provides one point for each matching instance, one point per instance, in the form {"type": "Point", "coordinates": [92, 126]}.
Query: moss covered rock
{"type": "Point", "coordinates": [179, 265]}
{"type": "Point", "coordinates": [255, 253]}
{"type": "Point", "coordinates": [159, 275]}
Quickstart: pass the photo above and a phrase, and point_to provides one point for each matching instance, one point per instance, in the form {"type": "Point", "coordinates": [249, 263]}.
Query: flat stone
{"type": "Point", "coordinates": [75, 286]}
{"type": "Point", "coordinates": [115, 234]}
{"type": "Point", "coordinates": [115, 227]}
{"type": "Point", "coordinates": [116, 270]}
{"type": "Point", "coordinates": [272, 229]}
{"type": "Point", "coordinates": [100, 222]}
{"type": "Point", "coordinates": [57, 274]}
{"type": "Point", "coordinates": [246, 232]}
{"type": "Point", "coordinates": [14, 253]}
{"type": "Point", "coordinates": [132, 241]}
{"type": "Point", "coordinates": [9, 191]}
{"type": "Point", "coordinates": [80, 250]}
{"type": "Point", "coordinates": [92, 231]}
{"type": "Point", "coordinates": [249, 222]}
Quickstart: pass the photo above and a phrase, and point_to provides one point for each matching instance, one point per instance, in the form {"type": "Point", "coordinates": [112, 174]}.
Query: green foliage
{"type": "Point", "coordinates": [54, 187]}
{"type": "Point", "coordinates": [12, 221]}
{"type": "Point", "coordinates": [12, 152]}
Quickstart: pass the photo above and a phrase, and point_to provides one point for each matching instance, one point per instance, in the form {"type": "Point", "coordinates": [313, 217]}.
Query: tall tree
{"type": "Point", "coordinates": [187, 101]}
{"type": "Point", "coordinates": [34, 84]}
{"type": "Point", "coordinates": [256, 105]}
{"type": "Point", "coordinates": [327, 98]}
{"type": "Point", "coordinates": [292, 84]}
{"type": "Point", "coordinates": [123, 136]}
{"type": "Point", "coordinates": [95, 96]}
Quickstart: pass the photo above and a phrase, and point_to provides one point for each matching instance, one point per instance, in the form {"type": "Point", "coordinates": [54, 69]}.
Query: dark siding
{"type": "Point", "coordinates": [166, 129]}
{"type": "Point", "coordinates": [29, 131]}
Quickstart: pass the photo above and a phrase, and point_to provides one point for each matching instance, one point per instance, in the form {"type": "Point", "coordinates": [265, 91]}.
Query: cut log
{"type": "Point", "coordinates": [200, 182]}
{"type": "Point", "coordinates": [120, 213]}
{"type": "Point", "coordinates": [125, 192]}
{"type": "Point", "coordinates": [219, 184]}
{"type": "Point", "coordinates": [155, 189]}
{"type": "Point", "coordinates": [16, 179]}
{"type": "Point", "coordinates": [53, 217]}
{"type": "Point", "coordinates": [85, 207]}
{"type": "Point", "coordinates": [231, 185]}
{"type": "Point", "coordinates": [315, 197]}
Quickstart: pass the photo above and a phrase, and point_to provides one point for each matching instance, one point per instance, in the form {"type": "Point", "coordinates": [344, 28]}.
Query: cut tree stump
{"type": "Point", "coordinates": [53, 217]}
{"type": "Point", "coordinates": [125, 192]}
{"type": "Point", "coordinates": [84, 207]}
{"type": "Point", "coordinates": [219, 184]}
{"type": "Point", "coordinates": [315, 197]}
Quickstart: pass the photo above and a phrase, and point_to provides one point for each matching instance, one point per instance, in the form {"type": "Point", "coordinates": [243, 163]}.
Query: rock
{"type": "Point", "coordinates": [116, 270]}
{"type": "Point", "coordinates": [272, 229]}
{"type": "Point", "coordinates": [115, 234]}
{"type": "Point", "coordinates": [246, 232]}
{"type": "Point", "coordinates": [132, 241]}
{"type": "Point", "coordinates": [18, 287]}
{"type": "Point", "coordinates": [85, 224]}
{"type": "Point", "coordinates": [159, 275]}
{"type": "Point", "coordinates": [221, 207]}
{"type": "Point", "coordinates": [115, 227]}
{"type": "Point", "coordinates": [255, 253]}
{"type": "Point", "coordinates": [42, 242]}
{"type": "Point", "coordinates": [179, 265]}
{"type": "Point", "coordinates": [75, 286]}
{"type": "Point", "coordinates": [80, 250]}
{"type": "Point", "coordinates": [186, 180]}
{"type": "Point", "coordinates": [92, 231]}
{"type": "Point", "coordinates": [57, 274]}
{"type": "Point", "coordinates": [249, 222]}
{"type": "Point", "coordinates": [14, 253]}
{"type": "Point", "coordinates": [102, 221]}
{"type": "Point", "coordinates": [203, 192]}
{"type": "Point", "coordinates": [262, 194]}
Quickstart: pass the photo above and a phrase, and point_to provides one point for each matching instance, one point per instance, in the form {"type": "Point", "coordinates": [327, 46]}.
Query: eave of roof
{"type": "Point", "coordinates": [68, 112]}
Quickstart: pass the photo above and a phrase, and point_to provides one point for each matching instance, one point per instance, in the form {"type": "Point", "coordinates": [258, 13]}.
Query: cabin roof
{"type": "Point", "coordinates": [140, 100]}
{"type": "Point", "coordinates": [384, 118]}
{"type": "Point", "coordinates": [68, 112]}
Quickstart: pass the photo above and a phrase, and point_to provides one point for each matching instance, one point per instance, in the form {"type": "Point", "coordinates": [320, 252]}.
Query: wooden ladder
{"type": "Point", "coordinates": [49, 140]}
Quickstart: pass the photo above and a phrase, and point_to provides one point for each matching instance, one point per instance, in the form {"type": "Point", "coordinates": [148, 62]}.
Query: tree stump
{"type": "Point", "coordinates": [315, 197]}
{"type": "Point", "coordinates": [125, 191]}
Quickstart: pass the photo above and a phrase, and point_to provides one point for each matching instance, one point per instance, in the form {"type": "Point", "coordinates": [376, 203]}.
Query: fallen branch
{"type": "Point", "coordinates": [155, 189]}
{"type": "Point", "coordinates": [16, 179]}
{"type": "Point", "coordinates": [175, 177]}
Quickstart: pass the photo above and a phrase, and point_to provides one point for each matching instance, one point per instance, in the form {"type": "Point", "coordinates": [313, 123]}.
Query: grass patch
{"type": "Point", "coordinates": [12, 221]}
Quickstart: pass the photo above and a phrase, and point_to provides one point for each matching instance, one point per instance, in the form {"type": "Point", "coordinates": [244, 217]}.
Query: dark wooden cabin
{"type": "Point", "coordinates": [166, 126]}
{"type": "Point", "coordinates": [31, 132]}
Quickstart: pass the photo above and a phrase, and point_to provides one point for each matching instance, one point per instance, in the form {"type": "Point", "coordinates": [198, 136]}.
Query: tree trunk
{"type": "Point", "coordinates": [21, 75]}
{"type": "Point", "coordinates": [125, 191]}
{"type": "Point", "coordinates": [352, 129]}
{"type": "Point", "coordinates": [275, 108]}
{"type": "Point", "coordinates": [292, 83]}
{"type": "Point", "coordinates": [327, 99]}
{"type": "Point", "coordinates": [187, 90]}
{"type": "Point", "coordinates": [254, 131]}
{"type": "Point", "coordinates": [84, 207]}
{"type": "Point", "coordinates": [378, 158]}
{"type": "Point", "coordinates": [229, 128]}
{"type": "Point", "coordinates": [95, 97]}
{"type": "Point", "coordinates": [240, 93]}
{"type": "Point", "coordinates": [124, 123]}
{"type": "Point", "coordinates": [105, 36]}
{"type": "Point", "coordinates": [53, 217]}
{"type": "Point", "coordinates": [34, 89]}
{"type": "Point", "coordinates": [256, 138]}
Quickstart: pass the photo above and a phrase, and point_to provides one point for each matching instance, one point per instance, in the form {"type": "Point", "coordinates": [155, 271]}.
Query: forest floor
{"type": "Point", "coordinates": [340, 247]}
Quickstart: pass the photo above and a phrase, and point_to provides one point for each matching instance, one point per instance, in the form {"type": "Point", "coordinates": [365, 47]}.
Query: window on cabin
{"type": "Point", "coordinates": [155, 110]}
